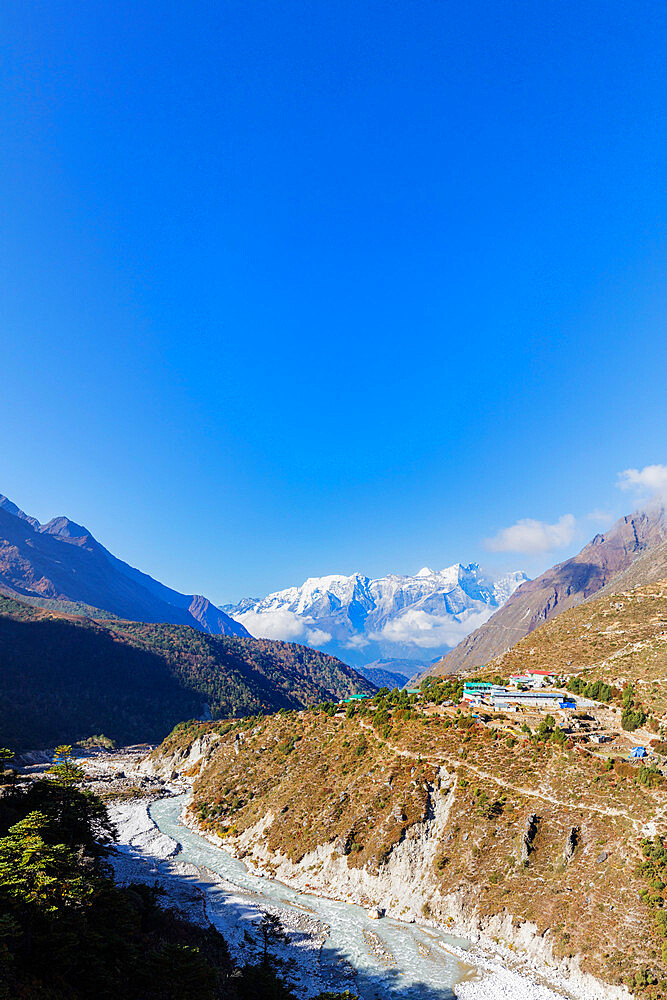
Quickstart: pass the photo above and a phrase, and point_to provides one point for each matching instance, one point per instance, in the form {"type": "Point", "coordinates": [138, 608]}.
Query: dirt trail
{"type": "Point", "coordinates": [444, 758]}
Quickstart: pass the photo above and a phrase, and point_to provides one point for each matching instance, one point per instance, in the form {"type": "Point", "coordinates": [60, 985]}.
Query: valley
{"type": "Point", "coordinates": [429, 821]}
{"type": "Point", "coordinates": [522, 828]}
{"type": "Point", "coordinates": [498, 831]}
{"type": "Point", "coordinates": [333, 532]}
{"type": "Point", "coordinates": [333, 944]}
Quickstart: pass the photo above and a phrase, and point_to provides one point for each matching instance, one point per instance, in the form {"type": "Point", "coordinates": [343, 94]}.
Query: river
{"type": "Point", "coordinates": [377, 959]}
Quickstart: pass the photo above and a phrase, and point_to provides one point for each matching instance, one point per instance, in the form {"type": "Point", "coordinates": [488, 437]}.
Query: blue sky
{"type": "Point", "coordinates": [300, 288]}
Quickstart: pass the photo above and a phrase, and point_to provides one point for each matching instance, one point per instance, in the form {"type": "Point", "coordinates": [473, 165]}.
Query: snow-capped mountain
{"type": "Point", "coordinates": [361, 619]}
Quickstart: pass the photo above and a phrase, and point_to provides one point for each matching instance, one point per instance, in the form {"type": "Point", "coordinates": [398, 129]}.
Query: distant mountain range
{"type": "Point", "coordinates": [362, 619]}
{"type": "Point", "coordinates": [62, 562]}
{"type": "Point", "coordinates": [632, 553]}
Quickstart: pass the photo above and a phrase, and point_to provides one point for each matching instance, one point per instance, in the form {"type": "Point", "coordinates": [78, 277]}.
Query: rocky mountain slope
{"type": "Point", "coordinates": [649, 567]}
{"type": "Point", "coordinates": [363, 619]}
{"type": "Point", "coordinates": [62, 561]}
{"type": "Point", "coordinates": [633, 538]}
{"type": "Point", "coordinates": [64, 677]}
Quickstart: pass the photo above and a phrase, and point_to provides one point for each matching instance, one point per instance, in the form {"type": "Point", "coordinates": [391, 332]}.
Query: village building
{"type": "Point", "coordinates": [533, 679]}
{"type": "Point", "coordinates": [503, 698]}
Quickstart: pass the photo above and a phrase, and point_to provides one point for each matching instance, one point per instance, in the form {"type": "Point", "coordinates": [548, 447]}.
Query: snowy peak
{"type": "Point", "coordinates": [360, 618]}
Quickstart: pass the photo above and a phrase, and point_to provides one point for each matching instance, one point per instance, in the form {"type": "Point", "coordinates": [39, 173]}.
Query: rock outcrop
{"type": "Point", "coordinates": [527, 838]}
{"type": "Point", "coordinates": [571, 844]}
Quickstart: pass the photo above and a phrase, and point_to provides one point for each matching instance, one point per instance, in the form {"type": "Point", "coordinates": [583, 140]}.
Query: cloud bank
{"type": "Point", "coordinates": [419, 628]}
{"type": "Point", "coordinates": [652, 478]}
{"type": "Point", "coordinates": [414, 627]}
{"type": "Point", "coordinates": [530, 536]}
{"type": "Point", "coordinates": [279, 624]}
{"type": "Point", "coordinates": [285, 625]}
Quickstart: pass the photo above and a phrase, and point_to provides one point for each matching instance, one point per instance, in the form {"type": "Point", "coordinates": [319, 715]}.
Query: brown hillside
{"type": "Point", "coordinates": [619, 638]}
{"type": "Point", "coordinates": [562, 587]}
{"type": "Point", "coordinates": [290, 784]}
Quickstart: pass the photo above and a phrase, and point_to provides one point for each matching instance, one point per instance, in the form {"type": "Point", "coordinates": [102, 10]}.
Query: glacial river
{"type": "Point", "coordinates": [378, 959]}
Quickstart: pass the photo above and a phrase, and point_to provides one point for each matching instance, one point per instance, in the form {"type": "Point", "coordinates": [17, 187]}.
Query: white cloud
{"type": "Point", "coordinates": [652, 478]}
{"type": "Point", "coordinates": [356, 642]}
{"type": "Point", "coordinates": [279, 624]}
{"type": "Point", "coordinates": [530, 536]}
{"type": "Point", "coordinates": [285, 625]}
{"type": "Point", "coordinates": [318, 637]}
{"type": "Point", "coordinates": [419, 628]}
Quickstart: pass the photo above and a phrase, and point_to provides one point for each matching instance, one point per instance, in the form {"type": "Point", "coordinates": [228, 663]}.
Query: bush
{"type": "Point", "coordinates": [649, 776]}
{"type": "Point", "coordinates": [632, 719]}
{"type": "Point", "coordinates": [595, 690]}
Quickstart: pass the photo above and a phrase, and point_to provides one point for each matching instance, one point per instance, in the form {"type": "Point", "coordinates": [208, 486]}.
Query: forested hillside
{"type": "Point", "coordinates": [66, 677]}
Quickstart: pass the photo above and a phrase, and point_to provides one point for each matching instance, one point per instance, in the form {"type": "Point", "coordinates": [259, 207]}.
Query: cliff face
{"type": "Point", "coordinates": [632, 540]}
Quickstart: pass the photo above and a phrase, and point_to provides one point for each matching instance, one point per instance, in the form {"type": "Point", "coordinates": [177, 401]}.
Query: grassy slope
{"type": "Point", "coordinates": [327, 779]}
{"type": "Point", "coordinates": [63, 677]}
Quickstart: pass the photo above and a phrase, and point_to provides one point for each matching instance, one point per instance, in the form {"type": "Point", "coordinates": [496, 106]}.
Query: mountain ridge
{"type": "Point", "coordinates": [365, 619]}
{"type": "Point", "coordinates": [62, 560]}
{"type": "Point", "coordinates": [599, 564]}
